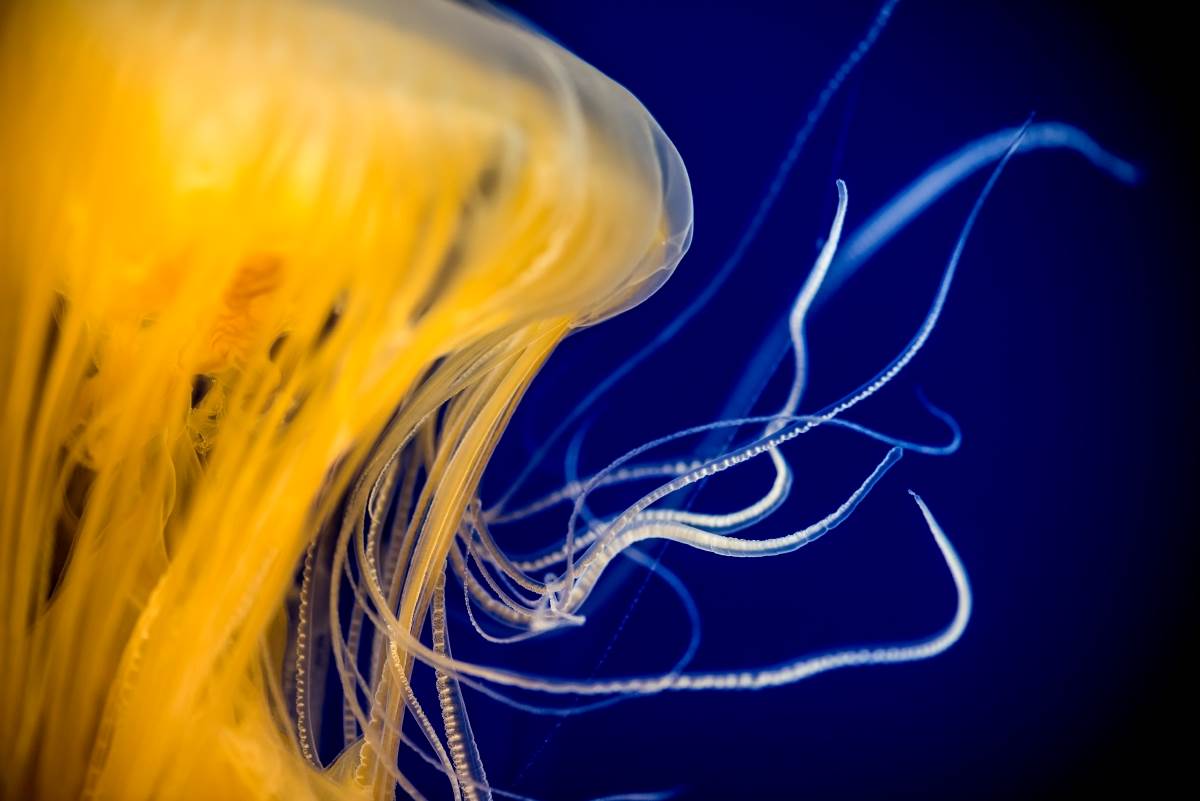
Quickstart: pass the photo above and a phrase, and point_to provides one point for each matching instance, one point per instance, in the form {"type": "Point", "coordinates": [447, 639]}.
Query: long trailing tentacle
{"type": "Point", "coordinates": [464, 751]}
{"type": "Point", "coordinates": [831, 411]}
{"type": "Point", "coordinates": [786, 673]}
{"type": "Point", "coordinates": [951, 171]}
{"type": "Point", "coordinates": [623, 532]}
{"type": "Point", "coordinates": [583, 488]}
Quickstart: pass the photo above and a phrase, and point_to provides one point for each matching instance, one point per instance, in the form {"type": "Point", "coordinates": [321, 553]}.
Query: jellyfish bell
{"type": "Point", "coordinates": [256, 258]}
{"type": "Point", "coordinates": [496, 159]}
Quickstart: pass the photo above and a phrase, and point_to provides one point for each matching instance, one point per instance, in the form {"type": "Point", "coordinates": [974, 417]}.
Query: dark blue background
{"type": "Point", "coordinates": [1065, 353]}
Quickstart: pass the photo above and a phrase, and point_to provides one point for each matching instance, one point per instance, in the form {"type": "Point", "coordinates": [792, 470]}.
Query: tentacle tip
{"type": "Point", "coordinates": [1130, 174]}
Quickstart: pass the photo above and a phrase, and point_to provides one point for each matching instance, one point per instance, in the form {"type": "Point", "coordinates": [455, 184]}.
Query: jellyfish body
{"type": "Point", "coordinates": [247, 249]}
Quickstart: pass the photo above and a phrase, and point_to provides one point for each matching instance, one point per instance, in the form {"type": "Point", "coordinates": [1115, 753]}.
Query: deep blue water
{"type": "Point", "coordinates": [1064, 352]}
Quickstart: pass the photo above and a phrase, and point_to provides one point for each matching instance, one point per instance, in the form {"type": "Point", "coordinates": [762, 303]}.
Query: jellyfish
{"type": "Point", "coordinates": [249, 249]}
{"type": "Point", "coordinates": [276, 276]}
